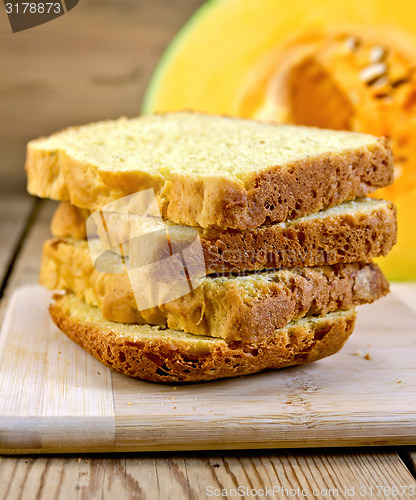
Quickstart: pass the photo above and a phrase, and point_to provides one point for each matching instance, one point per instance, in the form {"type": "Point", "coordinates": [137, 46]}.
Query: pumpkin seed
{"type": "Point", "coordinates": [377, 54]}
{"type": "Point", "coordinates": [373, 72]}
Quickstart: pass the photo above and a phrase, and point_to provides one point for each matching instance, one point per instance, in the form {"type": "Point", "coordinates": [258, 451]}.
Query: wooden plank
{"type": "Point", "coordinates": [62, 399]}
{"type": "Point", "coordinates": [14, 211]}
{"type": "Point", "coordinates": [321, 475]}
{"type": "Point", "coordinates": [368, 399]}
{"type": "Point", "coordinates": [51, 79]}
{"type": "Point", "coordinates": [26, 268]}
{"type": "Point", "coordinates": [77, 383]}
{"type": "Point", "coordinates": [407, 293]}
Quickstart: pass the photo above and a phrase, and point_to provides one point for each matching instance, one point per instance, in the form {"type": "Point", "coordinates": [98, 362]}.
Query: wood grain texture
{"type": "Point", "coordinates": [51, 387]}
{"type": "Point", "coordinates": [62, 398]}
{"type": "Point", "coordinates": [406, 292]}
{"type": "Point", "coordinates": [26, 267]}
{"type": "Point", "coordinates": [93, 63]}
{"type": "Point", "coordinates": [14, 211]}
{"type": "Point", "coordinates": [179, 476]}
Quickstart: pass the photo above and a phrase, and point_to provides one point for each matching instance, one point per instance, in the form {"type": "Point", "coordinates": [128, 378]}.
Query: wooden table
{"type": "Point", "coordinates": [94, 63]}
{"type": "Point", "coordinates": [24, 227]}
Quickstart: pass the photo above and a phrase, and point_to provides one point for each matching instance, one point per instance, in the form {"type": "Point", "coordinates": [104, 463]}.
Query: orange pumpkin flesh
{"type": "Point", "coordinates": [296, 63]}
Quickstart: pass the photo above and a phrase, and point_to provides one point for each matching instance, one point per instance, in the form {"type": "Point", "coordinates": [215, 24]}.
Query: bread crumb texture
{"type": "Point", "coordinates": [209, 171]}
{"type": "Point", "coordinates": [248, 308]}
{"type": "Point", "coordinates": [351, 232]}
{"type": "Point", "coordinates": [163, 355]}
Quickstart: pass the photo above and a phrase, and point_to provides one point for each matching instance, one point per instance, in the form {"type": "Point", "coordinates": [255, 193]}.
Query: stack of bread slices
{"type": "Point", "coordinates": [285, 227]}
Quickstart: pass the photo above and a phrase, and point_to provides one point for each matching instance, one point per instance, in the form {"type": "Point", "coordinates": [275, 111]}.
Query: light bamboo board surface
{"type": "Point", "coordinates": [57, 398]}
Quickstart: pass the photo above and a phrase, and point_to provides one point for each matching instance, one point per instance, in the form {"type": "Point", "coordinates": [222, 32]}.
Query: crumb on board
{"type": "Point", "coordinates": [397, 381]}
{"type": "Point", "coordinates": [362, 355]}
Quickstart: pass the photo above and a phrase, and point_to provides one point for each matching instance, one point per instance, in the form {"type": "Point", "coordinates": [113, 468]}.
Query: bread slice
{"type": "Point", "coordinates": [209, 171]}
{"type": "Point", "coordinates": [163, 355]}
{"type": "Point", "coordinates": [351, 232]}
{"type": "Point", "coordinates": [245, 308]}
{"type": "Point", "coordinates": [69, 220]}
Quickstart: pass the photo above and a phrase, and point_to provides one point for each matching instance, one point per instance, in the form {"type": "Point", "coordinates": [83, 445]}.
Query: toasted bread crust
{"type": "Point", "coordinates": [272, 194]}
{"type": "Point", "coordinates": [332, 238]}
{"type": "Point", "coordinates": [339, 238]}
{"type": "Point", "coordinates": [275, 195]}
{"type": "Point", "coordinates": [248, 309]}
{"type": "Point", "coordinates": [160, 356]}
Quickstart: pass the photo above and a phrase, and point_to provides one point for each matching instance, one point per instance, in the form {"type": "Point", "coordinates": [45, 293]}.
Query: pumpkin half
{"type": "Point", "coordinates": [349, 66]}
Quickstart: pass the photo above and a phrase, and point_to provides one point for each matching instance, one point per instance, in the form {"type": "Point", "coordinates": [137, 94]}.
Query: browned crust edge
{"type": "Point", "coordinates": [334, 239]}
{"type": "Point", "coordinates": [168, 360]}
{"type": "Point", "coordinates": [341, 238]}
{"type": "Point", "coordinates": [276, 195]}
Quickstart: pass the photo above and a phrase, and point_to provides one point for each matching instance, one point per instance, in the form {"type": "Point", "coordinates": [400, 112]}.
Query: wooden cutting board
{"type": "Point", "coordinates": [56, 398]}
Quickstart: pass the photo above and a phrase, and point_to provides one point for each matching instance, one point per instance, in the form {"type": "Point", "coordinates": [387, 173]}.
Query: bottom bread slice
{"type": "Point", "coordinates": [160, 354]}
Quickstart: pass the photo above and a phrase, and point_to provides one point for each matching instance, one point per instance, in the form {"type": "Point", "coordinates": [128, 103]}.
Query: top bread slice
{"type": "Point", "coordinates": [209, 171]}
